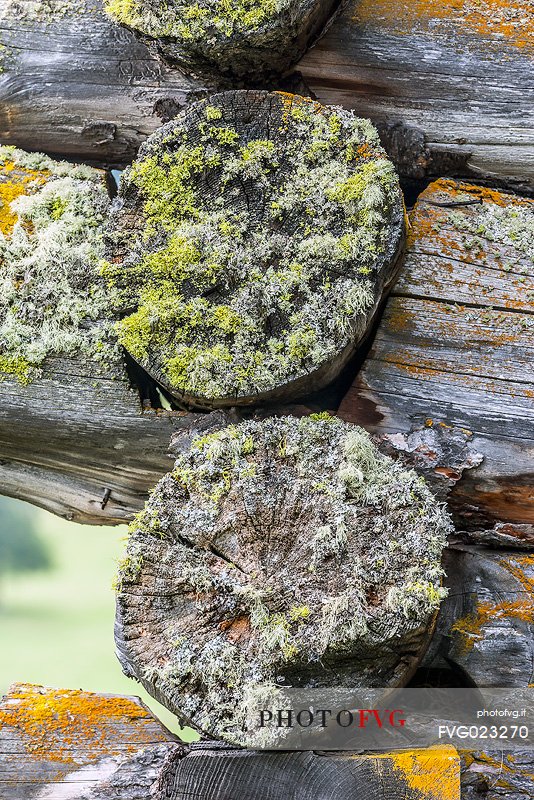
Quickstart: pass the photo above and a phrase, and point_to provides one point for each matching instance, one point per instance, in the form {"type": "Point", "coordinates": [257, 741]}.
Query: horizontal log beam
{"type": "Point", "coordinates": [447, 83]}
{"type": "Point", "coordinates": [453, 348]}
{"type": "Point", "coordinates": [73, 79]}
{"type": "Point", "coordinates": [88, 88]}
{"type": "Point", "coordinates": [63, 744]}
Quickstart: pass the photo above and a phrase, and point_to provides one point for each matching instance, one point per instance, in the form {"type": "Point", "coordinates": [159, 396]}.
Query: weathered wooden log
{"type": "Point", "coordinates": [448, 84]}
{"type": "Point", "coordinates": [76, 436]}
{"type": "Point", "coordinates": [73, 79]}
{"type": "Point", "coordinates": [454, 346]}
{"type": "Point", "coordinates": [62, 744]}
{"type": "Point", "coordinates": [85, 86]}
{"type": "Point", "coordinates": [497, 775]}
{"type": "Point", "coordinates": [486, 624]}
{"type": "Point", "coordinates": [278, 552]}
{"type": "Point", "coordinates": [104, 747]}
{"type": "Point", "coordinates": [503, 535]}
{"type": "Point", "coordinates": [430, 774]}
{"type": "Point", "coordinates": [250, 244]}
{"type": "Point", "coordinates": [244, 42]}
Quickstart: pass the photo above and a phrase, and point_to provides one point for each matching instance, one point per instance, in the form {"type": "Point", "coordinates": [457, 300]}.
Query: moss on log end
{"type": "Point", "coordinates": [251, 243]}
{"type": "Point", "coordinates": [283, 552]}
{"type": "Point", "coordinates": [250, 40]}
{"type": "Point", "coordinates": [52, 299]}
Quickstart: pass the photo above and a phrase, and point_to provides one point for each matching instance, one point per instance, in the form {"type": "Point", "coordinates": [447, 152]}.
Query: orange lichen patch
{"type": "Point", "coordinates": [519, 567]}
{"type": "Point", "coordinates": [290, 102]}
{"type": "Point", "coordinates": [423, 222]}
{"type": "Point", "coordinates": [452, 190]}
{"type": "Point", "coordinates": [56, 723]}
{"type": "Point", "coordinates": [471, 627]}
{"type": "Point", "coordinates": [433, 773]}
{"type": "Point", "coordinates": [19, 183]}
{"type": "Point", "coordinates": [511, 20]}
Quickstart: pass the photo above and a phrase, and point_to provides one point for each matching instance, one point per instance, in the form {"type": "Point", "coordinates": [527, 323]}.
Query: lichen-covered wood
{"type": "Point", "coordinates": [85, 85]}
{"type": "Point", "coordinates": [448, 84]}
{"type": "Point", "coordinates": [486, 624]}
{"type": "Point", "coordinates": [250, 246]}
{"type": "Point", "coordinates": [455, 345]}
{"type": "Point", "coordinates": [52, 299]}
{"type": "Point", "coordinates": [497, 775]}
{"type": "Point", "coordinates": [76, 436]}
{"type": "Point", "coordinates": [245, 41]}
{"type": "Point", "coordinates": [63, 744]}
{"type": "Point", "coordinates": [287, 552]}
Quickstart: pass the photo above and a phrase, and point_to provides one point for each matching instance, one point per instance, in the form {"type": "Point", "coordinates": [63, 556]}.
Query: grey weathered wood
{"type": "Point", "coordinates": [77, 441]}
{"type": "Point", "coordinates": [68, 744]}
{"type": "Point", "coordinates": [454, 349]}
{"type": "Point", "coordinates": [450, 85]}
{"type": "Point", "coordinates": [497, 775]}
{"type": "Point", "coordinates": [486, 624]}
{"type": "Point", "coordinates": [206, 774]}
{"type": "Point", "coordinates": [247, 580]}
{"type": "Point", "coordinates": [446, 101]}
{"type": "Point", "coordinates": [82, 85]}
{"type": "Point", "coordinates": [503, 535]}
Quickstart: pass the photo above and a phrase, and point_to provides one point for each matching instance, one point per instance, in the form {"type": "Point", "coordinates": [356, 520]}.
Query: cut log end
{"type": "Point", "coordinates": [251, 244]}
{"type": "Point", "coordinates": [251, 41]}
{"type": "Point", "coordinates": [278, 553]}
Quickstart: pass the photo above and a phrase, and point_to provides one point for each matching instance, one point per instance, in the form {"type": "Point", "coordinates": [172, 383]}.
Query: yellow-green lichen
{"type": "Point", "coordinates": [192, 21]}
{"type": "Point", "coordinates": [242, 263]}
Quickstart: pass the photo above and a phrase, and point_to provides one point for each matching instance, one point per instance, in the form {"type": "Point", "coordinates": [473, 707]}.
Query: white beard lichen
{"type": "Point", "coordinates": [266, 563]}
{"type": "Point", "coordinates": [53, 301]}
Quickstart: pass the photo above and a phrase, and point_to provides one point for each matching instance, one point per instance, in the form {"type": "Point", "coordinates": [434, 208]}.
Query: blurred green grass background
{"type": "Point", "coordinates": [56, 625]}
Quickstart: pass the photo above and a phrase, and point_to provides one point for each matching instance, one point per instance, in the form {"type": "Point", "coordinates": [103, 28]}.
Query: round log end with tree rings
{"type": "Point", "coordinates": [252, 40]}
{"type": "Point", "coordinates": [283, 552]}
{"type": "Point", "coordinates": [251, 243]}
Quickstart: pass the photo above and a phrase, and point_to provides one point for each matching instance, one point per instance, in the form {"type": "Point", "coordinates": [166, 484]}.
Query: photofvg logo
{"type": "Point", "coordinates": [346, 719]}
{"type": "Point", "coordinates": [304, 718]}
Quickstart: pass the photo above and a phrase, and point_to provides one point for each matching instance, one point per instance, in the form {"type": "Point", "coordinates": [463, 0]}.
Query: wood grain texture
{"type": "Point", "coordinates": [86, 87]}
{"type": "Point", "coordinates": [233, 585]}
{"type": "Point", "coordinates": [205, 774]}
{"type": "Point", "coordinates": [78, 442]}
{"type": "Point", "coordinates": [449, 84]}
{"type": "Point", "coordinates": [497, 775]}
{"type": "Point", "coordinates": [454, 347]}
{"type": "Point", "coordinates": [448, 100]}
{"type": "Point", "coordinates": [64, 744]}
{"type": "Point", "coordinates": [486, 624]}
